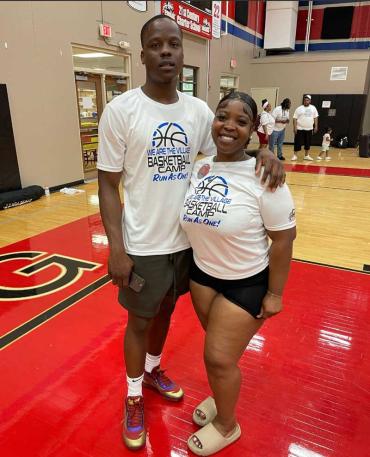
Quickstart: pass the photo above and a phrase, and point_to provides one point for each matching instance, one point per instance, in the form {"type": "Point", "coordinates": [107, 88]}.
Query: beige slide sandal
{"type": "Point", "coordinates": [211, 440]}
{"type": "Point", "coordinates": [208, 408]}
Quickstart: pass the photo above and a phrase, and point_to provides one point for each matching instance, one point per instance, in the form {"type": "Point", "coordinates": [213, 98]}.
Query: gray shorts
{"type": "Point", "coordinates": [166, 277]}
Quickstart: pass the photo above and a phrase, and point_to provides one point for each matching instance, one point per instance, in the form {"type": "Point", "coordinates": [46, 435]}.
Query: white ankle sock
{"type": "Point", "coordinates": [152, 361]}
{"type": "Point", "coordinates": [135, 386]}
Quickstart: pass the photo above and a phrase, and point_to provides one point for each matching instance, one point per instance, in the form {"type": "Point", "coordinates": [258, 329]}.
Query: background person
{"type": "Point", "coordinates": [281, 116]}
{"type": "Point", "coordinates": [266, 125]}
{"type": "Point", "coordinates": [326, 140]}
{"type": "Point", "coordinates": [305, 121]}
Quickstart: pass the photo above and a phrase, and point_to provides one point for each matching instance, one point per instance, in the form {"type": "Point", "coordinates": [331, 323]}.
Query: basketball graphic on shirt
{"type": "Point", "coordinates": [169, 134]}
{"type": "Point", "coordinates": [213, 185]}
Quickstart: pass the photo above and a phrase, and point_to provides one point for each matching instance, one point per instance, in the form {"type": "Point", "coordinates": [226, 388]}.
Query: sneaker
{"type": "Point", "coordinates": [158, 381]}
{"type": "Point", "coordinates": [328, 158]}
{"type": "Point", "coordinates": [281, 158]}
{"type": "Point", "coordinates": [308, 158]}
{"type": "Point", "coordinates": [319, 158]}
{"type": "Point", "coordinates": [294, 158]}
{"type": "Point", "coordinates": [134, 432]}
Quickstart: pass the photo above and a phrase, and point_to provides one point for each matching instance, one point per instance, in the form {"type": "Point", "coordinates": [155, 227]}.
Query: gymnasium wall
{"type": "Point", "coordinates": [36, 65]}
{"type": "Point", "coordinates": [310, 73]}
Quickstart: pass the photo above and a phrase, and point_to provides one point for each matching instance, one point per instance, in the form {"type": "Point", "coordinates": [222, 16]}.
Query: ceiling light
{"type": "Point", "coordinates": [92, 55]}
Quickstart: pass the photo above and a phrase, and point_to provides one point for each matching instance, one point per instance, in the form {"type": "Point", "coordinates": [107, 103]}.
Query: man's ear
{"type": "Point", "coordinates": [142, 57]}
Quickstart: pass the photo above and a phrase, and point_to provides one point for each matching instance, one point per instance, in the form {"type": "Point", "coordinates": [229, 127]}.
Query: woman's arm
{"type": "Point", "coordinates": [280, 255]}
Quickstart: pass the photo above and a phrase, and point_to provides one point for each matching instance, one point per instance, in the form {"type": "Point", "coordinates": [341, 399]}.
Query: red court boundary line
{"type": "Point", "coordinates": [322, 170]}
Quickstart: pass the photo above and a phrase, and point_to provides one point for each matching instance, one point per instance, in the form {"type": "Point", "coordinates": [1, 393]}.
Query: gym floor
{"type": "Point", "coordinates": [306, 375]}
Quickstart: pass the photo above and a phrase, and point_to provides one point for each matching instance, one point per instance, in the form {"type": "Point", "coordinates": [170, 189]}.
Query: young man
{"type": "Point", "coordinates": [150, 137]}
{"type": "Point", "coordinates": [304, 120]}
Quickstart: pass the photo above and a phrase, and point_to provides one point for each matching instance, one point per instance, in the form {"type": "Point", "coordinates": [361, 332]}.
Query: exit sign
{"type": "Point", "coordinates": [105, 30]}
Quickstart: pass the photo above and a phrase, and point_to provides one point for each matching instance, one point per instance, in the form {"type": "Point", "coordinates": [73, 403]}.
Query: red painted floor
{"type": "Point", "coordinates": [323, 170]}
{"type": "Point", "coordinates": [306, 374]}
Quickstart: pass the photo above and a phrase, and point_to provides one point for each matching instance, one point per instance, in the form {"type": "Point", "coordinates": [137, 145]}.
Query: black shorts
{"type": "Point", "coordinates": [302, 137]}
{"type": "Point", "coordinates": [247, 293]}
{"type": "Point", "coordinates": [166, 277]}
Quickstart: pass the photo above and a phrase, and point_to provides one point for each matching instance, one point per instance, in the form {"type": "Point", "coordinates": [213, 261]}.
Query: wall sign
{"type": "Point", "coordinates": [138, 5]}
{"type": "Point", "coordinates": [216, 19]}
{"type": "Point", "coordinates": [188, 18]}
{"type": "Point", "coordinates": [338, 73]}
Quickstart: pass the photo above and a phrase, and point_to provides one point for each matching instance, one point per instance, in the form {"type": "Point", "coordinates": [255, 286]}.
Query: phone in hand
{"type": "Point", "coordinates": [136, 282]}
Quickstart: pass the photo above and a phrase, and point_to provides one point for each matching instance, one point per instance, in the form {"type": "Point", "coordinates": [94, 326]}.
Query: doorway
{"type": "Point", "coordinates": [100, 76]}
{"type": "Point", "coordinates": [90, 107]}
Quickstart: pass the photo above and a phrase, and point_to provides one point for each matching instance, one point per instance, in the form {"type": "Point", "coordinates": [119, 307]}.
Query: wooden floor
{"type": "Point", "coordinates": [333, 212]}
{"type": "Point", "coordinates": [306, 374]}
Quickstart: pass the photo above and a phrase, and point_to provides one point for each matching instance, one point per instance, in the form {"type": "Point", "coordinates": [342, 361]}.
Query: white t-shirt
{"type": "Point", "coordinates": [268, 121]}
{"type": "Point", "coordinates": [280, 115]}
{"type": "Point", "coordinates": [226, 213]}
{"type": "Point", "coordinates": [155, 146]}
{"type": "Point", "coordinates": [305, 116]}
{"type": "Point", "coordinates": [326, 139]}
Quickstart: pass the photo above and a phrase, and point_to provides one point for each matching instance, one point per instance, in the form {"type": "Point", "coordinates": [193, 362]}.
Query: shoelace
{"type": "Point", "coordinates": [162, 379]}
{"type": "Point", "coordinates": [134, 413]}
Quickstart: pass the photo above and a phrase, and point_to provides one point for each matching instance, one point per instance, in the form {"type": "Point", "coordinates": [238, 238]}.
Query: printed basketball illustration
{"type": "Point", "coordinates": [169, 134]}
{"type": "Point", "coordinates": [213, 185]}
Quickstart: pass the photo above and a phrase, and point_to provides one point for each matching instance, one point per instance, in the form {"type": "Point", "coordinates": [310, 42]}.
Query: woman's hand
{"type": "Point", "coordinates": [271, 305]}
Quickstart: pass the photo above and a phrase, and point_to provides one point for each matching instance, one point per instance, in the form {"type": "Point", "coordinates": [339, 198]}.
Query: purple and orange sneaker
{"type": "Point", "coordinates": [158, 381]}
{"type": "Point", "coordinates": [134, 432]}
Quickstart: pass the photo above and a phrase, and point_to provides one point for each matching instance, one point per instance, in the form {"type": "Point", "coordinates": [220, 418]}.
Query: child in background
{"type": "Point", "coordinates": [326, 139]}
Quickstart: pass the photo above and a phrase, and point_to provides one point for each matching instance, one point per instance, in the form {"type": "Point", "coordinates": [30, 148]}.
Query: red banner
{"type": "Point", "coordinates": [188, 18]}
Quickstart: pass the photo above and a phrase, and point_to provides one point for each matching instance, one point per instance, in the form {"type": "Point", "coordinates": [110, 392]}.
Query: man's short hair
{"type": "Point", "coordinates": [152, 19]}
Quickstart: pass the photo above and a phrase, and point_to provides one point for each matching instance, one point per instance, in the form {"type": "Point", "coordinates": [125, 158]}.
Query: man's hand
{"type": "Point", "coordinates": [274, 169]}
{"type": "Point", "coordinates": [119, 268]}
{"type": "Point", "coordinates": [295, 131]}
{"type": "Point", "coordinates": [315, 130]}
{"type": "Point", "coordinates": [271, 305]}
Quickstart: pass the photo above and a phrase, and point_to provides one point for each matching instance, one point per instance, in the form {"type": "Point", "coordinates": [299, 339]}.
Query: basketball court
{"type": "Point", "coordinates": [306, 374]}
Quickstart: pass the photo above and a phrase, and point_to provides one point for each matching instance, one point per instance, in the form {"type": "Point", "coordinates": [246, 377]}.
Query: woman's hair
{"type": "Point", "coordinates": [264, 101]}
{"type": "Point", "coordinates": [285, 104]}
{"type": "Point", "coordinates": [246, 99]}
{"type": "Point", "coordinates": [327, 129]}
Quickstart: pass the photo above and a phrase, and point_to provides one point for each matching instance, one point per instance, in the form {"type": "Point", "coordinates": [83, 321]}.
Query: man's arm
{"type": "Point", "coordinates": [119, 263]}
{"type": "Point", "coordinates": [316, 125]}
{"type": "Point", "coordinates": [273, 168]}
{"type": "Point", "coordinates": [295, 125]}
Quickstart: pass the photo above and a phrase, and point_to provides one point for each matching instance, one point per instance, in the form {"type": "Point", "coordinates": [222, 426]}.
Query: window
{"type": "Point", "coordinates": [241, 12]}
{"type": "Point", "coordinates": [188, 81]}
{"type": "Point", "coordinates": [227, 83]}
{"type": "Point", "coordinates": [337, 22]}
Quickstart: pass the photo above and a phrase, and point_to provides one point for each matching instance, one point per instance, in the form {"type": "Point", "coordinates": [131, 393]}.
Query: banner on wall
{"type": "Point", "coordinates": [188, 18]}
{"type": "Point", "coordinates": [216, 19]}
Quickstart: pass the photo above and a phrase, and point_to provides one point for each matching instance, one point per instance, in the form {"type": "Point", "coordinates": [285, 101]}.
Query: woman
{"type": "Point", "coordinates": [236, 280]}
{"type": "Point", "coordinates": [266, 125]}
{"type": "Point", "coordinates": [281, 116]}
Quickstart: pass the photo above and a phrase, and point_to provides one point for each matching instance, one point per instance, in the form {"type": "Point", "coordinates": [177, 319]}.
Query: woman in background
{"type": "Point", "coordinates": [266, 124]}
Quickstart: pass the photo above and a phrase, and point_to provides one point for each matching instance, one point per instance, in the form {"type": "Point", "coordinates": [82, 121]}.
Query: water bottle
{"type": "Point", "coordinates": [47, 191]}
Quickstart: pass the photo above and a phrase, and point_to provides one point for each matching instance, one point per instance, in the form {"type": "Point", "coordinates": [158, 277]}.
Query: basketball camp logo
{"type": "Point", "coordinates": [209, 202]}
{"type": "Point", "coordinates": [213, 185]}
{"type": "Point", "coordinates": [169, 154]}
{"type": "Point", "coordinates": [169, 134]}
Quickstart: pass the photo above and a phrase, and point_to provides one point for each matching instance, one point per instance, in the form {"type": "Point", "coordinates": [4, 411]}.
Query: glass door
{"type": "Point", "coordinates": [114, 86]}
{"type": "Point", "coordinates": [90, 105]}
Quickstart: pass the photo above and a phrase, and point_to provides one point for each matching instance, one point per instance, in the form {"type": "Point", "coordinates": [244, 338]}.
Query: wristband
{"type": "Point", "coordinates": [274, 295]}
